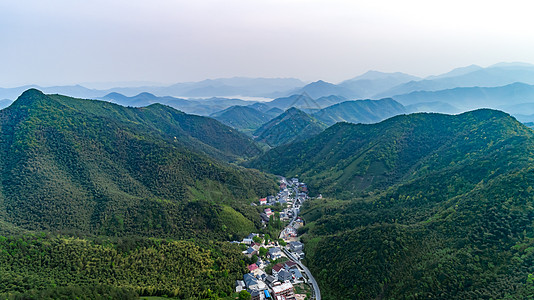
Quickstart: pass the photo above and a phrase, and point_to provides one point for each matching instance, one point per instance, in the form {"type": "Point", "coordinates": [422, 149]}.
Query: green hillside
{"type": "Point", "coordinates": [243, 118]}
{"type": "Point", "coordinates": [360, 111]}
{"type": "Point", "coordinates": [293, 125]}
{"type": "Point", "coordinates": [428, 206]}
{"type": "Point", "coordinates": [46, 267]}
{"type": "Point", "coordinates": [98, 168]}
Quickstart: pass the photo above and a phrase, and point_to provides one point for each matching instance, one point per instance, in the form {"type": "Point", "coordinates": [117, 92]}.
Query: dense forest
{"type": "Point", "coordinates": [44, 266]}
{"type": "Point", "coordinates": [419, 206]}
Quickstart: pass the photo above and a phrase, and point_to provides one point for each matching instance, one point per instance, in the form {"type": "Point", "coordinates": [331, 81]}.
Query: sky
{"type": "Point", "coordinates": [59, 42]}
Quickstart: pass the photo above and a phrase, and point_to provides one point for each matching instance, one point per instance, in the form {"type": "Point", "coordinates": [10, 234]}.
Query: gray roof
{"type": "Point", "coordinates": [274, 250]}
{"type": "Point", "coordinates": [270, 279]}
{"type": "Point", "coordinates": [296, 272]}
{"type": "Point", "coordinates": [284, 275]}
{"type": "Point", "coordinates": [249, 279]}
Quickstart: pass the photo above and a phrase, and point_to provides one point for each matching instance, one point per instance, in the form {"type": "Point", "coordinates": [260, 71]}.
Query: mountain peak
{"type": "Point", "coordinates": [29, 98]}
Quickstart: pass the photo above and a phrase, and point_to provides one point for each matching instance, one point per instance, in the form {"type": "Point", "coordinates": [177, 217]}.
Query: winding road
{"type": "Point", "coordinates": [316, 292]}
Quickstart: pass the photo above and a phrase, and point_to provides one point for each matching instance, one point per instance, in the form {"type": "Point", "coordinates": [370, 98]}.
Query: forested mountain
{"type": "Point", "coordinates": [432, 206]}
{"type": "Point", "coordinates": [293, 125]}
{"type": "Point", "coordinates": [100, 168]}
{"type": "Point", "coordinates": [360, 111]}
{"type": "Point", "coordinates": [244, 118]}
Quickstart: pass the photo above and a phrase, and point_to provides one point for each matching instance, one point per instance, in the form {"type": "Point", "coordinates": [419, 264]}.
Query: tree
{"type": "Point", "coordinates": [267, 238]}
{"type": "Point", "coordinates": [257, 239]}
{"type": "Point", "coordinates": [244, 295]}
{"type": "Point", "coordinates": [263, 252]}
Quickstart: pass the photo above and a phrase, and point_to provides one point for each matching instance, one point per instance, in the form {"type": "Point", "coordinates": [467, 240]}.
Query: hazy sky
{"type": "Point", "coordinates": [73, 41]}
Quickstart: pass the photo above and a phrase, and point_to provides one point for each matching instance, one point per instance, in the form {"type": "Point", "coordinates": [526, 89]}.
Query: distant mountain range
{"type": "Point", "coordinates": [203, 107]}
{"type": "Point", "coordinates": [473, 76]}
{"type": "Point", "coordinates": [223, 87]}
{"type": "Point", "coordinates": [468, 98]}
{"type": "Point", "coordinates": [504, 86]}
{"type": "Point", "coordinates": [372, 82]}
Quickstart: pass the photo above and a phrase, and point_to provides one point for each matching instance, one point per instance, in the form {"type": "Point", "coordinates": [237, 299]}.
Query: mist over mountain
{"type": "Point", "coordinates": [373, 82]}
{"type": "Point", "coordinates": [468, 98]}
{"type": "Point", "coordinates": [496, 75]}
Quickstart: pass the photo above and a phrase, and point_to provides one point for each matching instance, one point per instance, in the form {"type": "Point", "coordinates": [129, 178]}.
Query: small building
{"type": "Point", "coordinates": [295, 246]}
{"type": "Point", "coordinates": [277, 268]}
{"type": "Point", "coordinates": [252, 267]}
{"type": "Point", "coordinates": [252, 283]}
{"type": "Point", "coordinates": [284, 275]}
{"type": "Point", "coordinates": [290, 265]}
{"type": "Point", "coordinates": [270, 280]}
{"type": "Point", "coordinates": [300, 254]}
{"type": "Point", "coordinates": [268, 212]}
{"type": "Point", "coordinates": [256, 295]}
{"type": "Point", "coordinates": [249, 252]}
{"type": "Point", "coordinates": [296, 273]}
{"type": "Point", "coordinates": [284, 289]}
{"type": "Point", "coordinates": [275, 253]}
{"type": "Point", "coordinates": [263, 201]}
{"type": "Point", "coordinates": [239, 286]}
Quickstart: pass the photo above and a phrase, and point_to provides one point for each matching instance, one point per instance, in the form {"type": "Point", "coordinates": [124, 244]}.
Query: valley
{"type": "Point", "coordinates": [94, 196]}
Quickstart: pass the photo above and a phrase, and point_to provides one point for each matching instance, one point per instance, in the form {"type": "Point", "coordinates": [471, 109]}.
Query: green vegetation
{"type": "Point", "coordinates": [422, 206]}
{"type": "Point", "coordinates": [115, 182]}
{"type": "Point", "coordinates": [244, 295]}
{"type": "Point", "coordinates": [293, 125]}
{"type": "Point", "coordinates": [43, 266]}
{"type": "Point", "coordinates": [93, 167]}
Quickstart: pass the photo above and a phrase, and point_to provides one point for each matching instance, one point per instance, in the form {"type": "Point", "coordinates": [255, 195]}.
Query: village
{"type": "Point", "coordinates": [277, 272]}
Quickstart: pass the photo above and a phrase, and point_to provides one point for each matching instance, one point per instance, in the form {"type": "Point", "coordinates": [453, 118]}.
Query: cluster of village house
{"type": "Point", "coordinates": [279, 284]}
